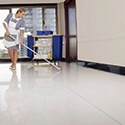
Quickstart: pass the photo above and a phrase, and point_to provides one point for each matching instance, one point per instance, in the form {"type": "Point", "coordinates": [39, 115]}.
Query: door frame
{"type": "Point", "coordinates": [67, 36]}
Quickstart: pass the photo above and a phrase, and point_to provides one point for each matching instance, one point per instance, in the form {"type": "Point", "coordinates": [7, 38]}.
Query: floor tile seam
{"type": "Point", "coordinates": [77, 94]}
{"type": "Point", "coordinates": [93, 105]}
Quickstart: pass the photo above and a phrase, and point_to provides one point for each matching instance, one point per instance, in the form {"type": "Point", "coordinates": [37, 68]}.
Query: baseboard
{"type": "Point", "coordinates": [104, 67]}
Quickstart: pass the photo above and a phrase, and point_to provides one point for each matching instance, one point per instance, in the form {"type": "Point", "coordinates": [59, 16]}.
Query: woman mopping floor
{"type": "Point", "coordinates": [14, 26]}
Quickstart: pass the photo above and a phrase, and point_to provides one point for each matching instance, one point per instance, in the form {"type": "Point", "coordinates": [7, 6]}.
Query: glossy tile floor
{"type": "Point", "coordinates": [41, 95]}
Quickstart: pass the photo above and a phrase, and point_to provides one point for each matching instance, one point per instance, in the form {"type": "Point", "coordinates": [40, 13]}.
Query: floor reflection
{"type": "Point", "coordinates": [13, 100]}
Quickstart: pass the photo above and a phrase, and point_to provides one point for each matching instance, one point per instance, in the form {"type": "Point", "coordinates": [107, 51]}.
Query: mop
{"type": "Point", "coordinates": [38, 54]}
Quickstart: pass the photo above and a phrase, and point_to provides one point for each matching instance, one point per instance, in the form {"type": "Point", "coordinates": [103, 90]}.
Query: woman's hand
{"type": "Point", "coordinates": [7, 32]}
{"type": "Point", "coordinates": [21, 42]}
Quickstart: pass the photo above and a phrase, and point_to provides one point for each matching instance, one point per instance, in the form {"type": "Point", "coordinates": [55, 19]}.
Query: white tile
{"type": "Point", "coordinates": [41, 95]}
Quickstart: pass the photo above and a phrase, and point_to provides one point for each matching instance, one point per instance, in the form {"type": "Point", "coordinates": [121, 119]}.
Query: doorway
{"type": "Point", "coordinates": [70, 29]}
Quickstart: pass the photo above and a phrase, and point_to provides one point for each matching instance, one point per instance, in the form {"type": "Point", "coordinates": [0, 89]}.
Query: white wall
{"type": "Point", "coordinates": [61, 25]}
{"type": "Point", "coordinates": [101, 31]}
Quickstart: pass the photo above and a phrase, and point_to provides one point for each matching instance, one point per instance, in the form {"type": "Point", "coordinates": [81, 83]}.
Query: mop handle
{"type": "Point", "coordinates": [41, 55]}
{"type": "Point", "coordinates": [37, 54]}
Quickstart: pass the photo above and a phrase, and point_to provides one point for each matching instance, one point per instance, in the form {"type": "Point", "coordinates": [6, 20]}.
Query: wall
{"type": "Point", "coordinates": [61, 25]}
{"type": "Point", "coordinates": [101, 31]}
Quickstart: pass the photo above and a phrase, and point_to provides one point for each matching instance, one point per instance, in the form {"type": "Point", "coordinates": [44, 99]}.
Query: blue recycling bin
{"type": "Point", "coordinates": [57, 47]}
{"type": "Point", "coordinates": [30, 41]}
{"type": "Point", "coordinates": [39, 32]}
{"type": "Point", "coordinates": [47, 32]}
{"type": "Point", "coordinates": [44, 32]}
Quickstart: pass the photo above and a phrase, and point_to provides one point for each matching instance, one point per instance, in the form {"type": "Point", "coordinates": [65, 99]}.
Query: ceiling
{"type": "Point", "coordinates": [29, 1]}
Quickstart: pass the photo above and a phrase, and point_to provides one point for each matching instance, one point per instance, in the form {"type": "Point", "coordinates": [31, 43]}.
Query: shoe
{"type": "Point", "coordinates": [12, 68]}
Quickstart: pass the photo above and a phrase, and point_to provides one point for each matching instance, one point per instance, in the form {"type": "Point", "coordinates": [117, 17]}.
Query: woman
{"type": "Point", "coordinates": [14, 26]}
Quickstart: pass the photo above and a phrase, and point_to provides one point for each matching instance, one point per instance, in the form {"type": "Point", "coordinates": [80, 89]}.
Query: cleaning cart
{"type": "Point", "coordinates": [48, 47]}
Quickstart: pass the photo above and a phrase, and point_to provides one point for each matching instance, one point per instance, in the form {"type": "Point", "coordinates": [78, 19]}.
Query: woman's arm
{"type": "Point", "coordinates": [21, 37]}
{"type": "Point", "coordinates": [6, 29]}
{"type": "Point", "coordinates": [6, 22]}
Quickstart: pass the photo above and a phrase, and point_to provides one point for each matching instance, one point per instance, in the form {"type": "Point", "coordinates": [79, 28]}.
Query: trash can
{"type": "Point", "coordinates": [57, 47]}
{"type": "Point", "coordinates": [30, 43]}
